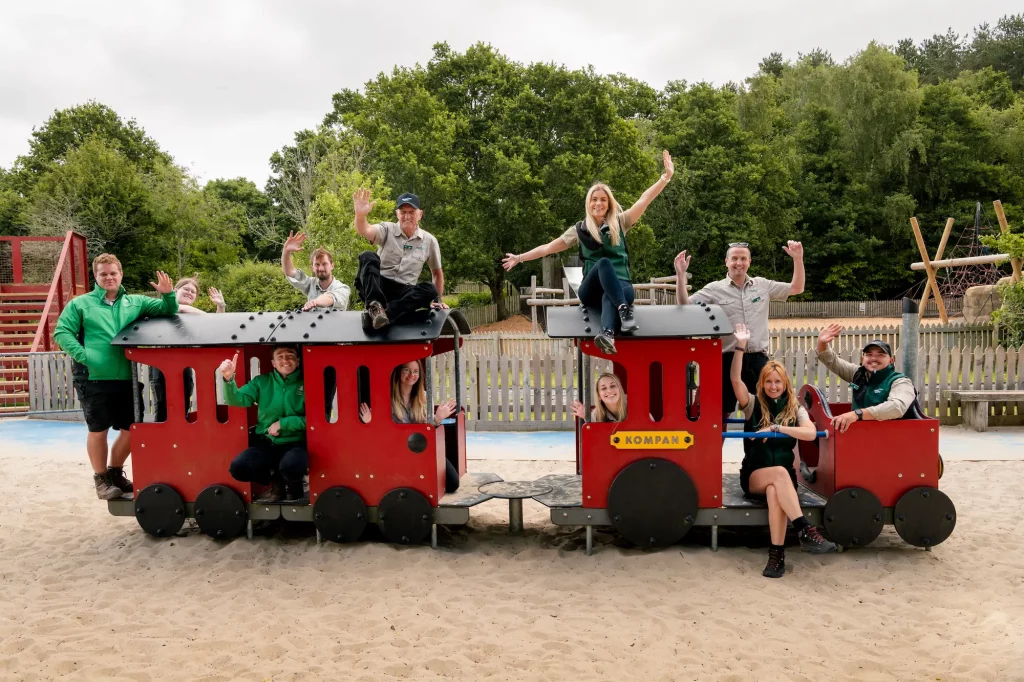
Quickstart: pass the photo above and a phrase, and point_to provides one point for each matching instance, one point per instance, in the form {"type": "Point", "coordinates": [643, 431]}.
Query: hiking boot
{"type": "Point", "coordinates": [117, 477]}
{"type": "Point", "coordinates": [605, 342]}
{"type": "Point", "coordinates": [812, 541]}
{"type": "Point", "coordinates": [275, 494]}
{"type": "Point", "coordinates": [776, 566]}
{"type": "Point", "coordinates": [627, 323]}
{"type": "Point", "coordinates": [105, 490]}
{"type": "Point", "coordinates": [378, 317]}
{"type": "Point", "coordinates": [294, 492]}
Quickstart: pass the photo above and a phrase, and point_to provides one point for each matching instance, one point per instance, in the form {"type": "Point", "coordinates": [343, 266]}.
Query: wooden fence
{"type": "Point", "coordinates": [526, 391]}
{"type": "Point", "coordinates": [487, 314]}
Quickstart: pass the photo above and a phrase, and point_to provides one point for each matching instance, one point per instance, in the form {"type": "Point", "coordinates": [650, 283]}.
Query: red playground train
{"type": "Point", "coordinates": [653, 476]}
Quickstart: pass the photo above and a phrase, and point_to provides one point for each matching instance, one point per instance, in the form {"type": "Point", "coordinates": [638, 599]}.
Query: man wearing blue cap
{"type": "Point", "coordinates": [879, 391]}
{"type": "Point", "coordinates": [388, 280]}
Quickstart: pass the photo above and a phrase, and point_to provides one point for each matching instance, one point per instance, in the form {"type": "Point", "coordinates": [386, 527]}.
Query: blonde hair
{"type": "Point", "coordinates": [787, 417]}
{"type": "Point", "coordinates": [417, 397]}
{"type": "Point", "coordinates": [193, 280]}
{"type": "Point", "coordinates": [602, 413]}
{"type": "Point", "coordinates": [106, 259]}
{"type": "Point", "coordinates": [612, 217]}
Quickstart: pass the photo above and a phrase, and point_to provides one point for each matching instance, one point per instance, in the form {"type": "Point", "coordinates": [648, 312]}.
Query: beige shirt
{"type": "Point", "coordinates": [401, 257]}
{"type": "Point", "coordinates": [571, 238]}
{"type": "Point", "coordinates": [901, 393]}
{"type": "Point", "coordinates": [310, 286]}
{"type": "Point", "coordinates": [748, 306]}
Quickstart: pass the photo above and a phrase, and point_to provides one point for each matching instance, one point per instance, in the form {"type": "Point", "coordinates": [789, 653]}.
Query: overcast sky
{"type": "Point", "coordinates": [222, 84]}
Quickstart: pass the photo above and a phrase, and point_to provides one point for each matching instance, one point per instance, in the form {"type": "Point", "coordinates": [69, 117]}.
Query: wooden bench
{"type": "Point", "coordinates": [974, 405]}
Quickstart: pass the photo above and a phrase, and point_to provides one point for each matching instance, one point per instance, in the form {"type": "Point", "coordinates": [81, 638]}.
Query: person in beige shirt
{"type": "Point", "coordinates": [745, 301]}
{"type": "Point", "coordinates": [879, 391]}
{"type": "Point", "coordinates": [388, 280]}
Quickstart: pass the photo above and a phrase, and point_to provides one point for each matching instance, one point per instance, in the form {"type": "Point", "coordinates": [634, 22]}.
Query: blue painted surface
{"type": "Point", "coordinates": [1005, 443]}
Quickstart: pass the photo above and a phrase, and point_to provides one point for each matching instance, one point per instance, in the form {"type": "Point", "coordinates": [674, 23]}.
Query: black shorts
{"type": "Point", "coordinates": [107, 404]}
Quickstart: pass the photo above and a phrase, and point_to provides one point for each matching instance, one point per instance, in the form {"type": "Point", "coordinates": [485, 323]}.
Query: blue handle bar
{"type": "Point", "coordinates": [750, 434]}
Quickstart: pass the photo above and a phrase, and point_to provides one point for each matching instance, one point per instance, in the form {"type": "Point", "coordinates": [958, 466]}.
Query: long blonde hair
{"type": "Point", "coordinates": [417, 397]}
{"type": "Point", "coordinates": [612, 217]}
{"type": "Point", "coordinates": [602, 413]}
{"type": "Point", "coordinates": [788, 415]}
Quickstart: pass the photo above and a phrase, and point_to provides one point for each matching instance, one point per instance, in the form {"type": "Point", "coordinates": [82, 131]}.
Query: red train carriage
{"type": "Point", "coordinates": [383, 472]}
{"type": "Point", "coordinates": [877, 473]}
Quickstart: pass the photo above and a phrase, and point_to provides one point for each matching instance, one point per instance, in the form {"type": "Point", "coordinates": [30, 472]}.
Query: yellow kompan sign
{"type": "Point", "coordinates": [652, 440]}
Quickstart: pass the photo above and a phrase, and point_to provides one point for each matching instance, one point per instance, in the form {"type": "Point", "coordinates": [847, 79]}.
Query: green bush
{"type": "Point", "coordinates": [252, 286]}
{"type": "Point", "coordinates": [1010, 316]}
{"type": "Point", "coordinates": [468, 300]}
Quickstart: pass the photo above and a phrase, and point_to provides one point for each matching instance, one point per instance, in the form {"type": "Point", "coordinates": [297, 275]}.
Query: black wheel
{"type": "Point", "coordinates": [405, 516]}
{"type": "Point", "coordinates": [220, 512]}
{"type": "Point", "coordinates": [160, 510]}
{"type": "Point", "coordinates": [652, 503]}
{"type": "Point", "coordinates": [340, 514]}
{"type": "Point", "coordinates": [853, 517]}
{"type": "Point", "coordinates": [924, 516]}
{"type": "Point", "coordinates": [942, 466]}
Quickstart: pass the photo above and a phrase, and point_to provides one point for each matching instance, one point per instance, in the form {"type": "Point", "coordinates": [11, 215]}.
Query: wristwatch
{"type": "Point", "coordinates": [860, 414]}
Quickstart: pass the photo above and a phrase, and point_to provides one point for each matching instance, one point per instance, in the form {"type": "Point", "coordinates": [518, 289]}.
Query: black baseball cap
{"type": "Point", "coordinates": [407, 198]}
{"type": "Point", "coordinates": [881, 344]}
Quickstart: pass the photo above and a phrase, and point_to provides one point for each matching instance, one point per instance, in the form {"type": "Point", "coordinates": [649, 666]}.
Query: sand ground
{"type": "Point", "coordinates": [88, 596]}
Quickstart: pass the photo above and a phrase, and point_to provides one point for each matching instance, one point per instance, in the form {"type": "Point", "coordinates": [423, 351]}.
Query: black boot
{"type": "Point", "coordinates": [776, 567]}
{"type": "Point", "coordinates": [294, 492]}
{"type": "Point", "coordinates": [812, 541]}
{"type": "Point", "coordinates": [605, 342]}
{"type": "Point", "coordinates": [117, 477]}
{"type": "Point", "coordinates": [626, 321]}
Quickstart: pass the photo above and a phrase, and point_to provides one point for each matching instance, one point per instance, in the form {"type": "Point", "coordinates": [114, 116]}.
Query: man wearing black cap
{"type": "Point", "coordinates": [879, 391]}
{"type": "Point", "coordinates": [387, 281]}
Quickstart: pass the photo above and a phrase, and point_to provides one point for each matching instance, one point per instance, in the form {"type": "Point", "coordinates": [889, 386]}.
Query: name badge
{"type": "Point", "coordinates": [755, 299]}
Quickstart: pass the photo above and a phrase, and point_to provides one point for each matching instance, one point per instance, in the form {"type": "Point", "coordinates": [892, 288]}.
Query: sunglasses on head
{"type": "Point", "coordinates": [732, 244]}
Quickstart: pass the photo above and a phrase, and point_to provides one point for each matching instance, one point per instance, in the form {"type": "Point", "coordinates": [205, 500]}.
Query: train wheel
{"type": "Point", "coordinates": [924, 517]}
{"type": "Point", "coordinates": [220, 512]}
{"type": "Point", "coordinates": [942, 466]}
{"type": "Point", "coordinates": [160, 510]}
{"type": "Point", "coordinates": [405, 516]}
{"type": "Point", "coordinates": [340, 514]}
{"type": "Point", "coordinates": [652, 503]}
{"type": "Point", "coordinates": [853, 517]}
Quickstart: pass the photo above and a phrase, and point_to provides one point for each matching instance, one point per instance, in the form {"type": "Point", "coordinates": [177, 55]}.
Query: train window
{"type": "Point", "coordinates": [222, 407]}
{"type": "Point", "coordinates": [254, 367]}
{"type": "Point", "coordinates": [657, 403]}
{"type": "Point", "coordinates": [330, 395]}
{"type": "Point", "coordinates": [362, 387]}
{"type": "Point", "coordinates": [693, 391]}
{"type": "Point", "coordinates": [188, 378]}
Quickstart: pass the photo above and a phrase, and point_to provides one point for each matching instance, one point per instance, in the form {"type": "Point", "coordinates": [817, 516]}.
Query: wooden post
{"type": "Point", "coordinates": [938, 256]}
{"type": "Point", "coordinates": [931, 271]}
{"type": "Point", "coordinates": [533, 308]}
{"type": "Point", "coordinates": [1003, 227]}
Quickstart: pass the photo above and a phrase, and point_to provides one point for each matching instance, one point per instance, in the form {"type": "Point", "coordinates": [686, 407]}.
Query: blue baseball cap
{"type": "Point", "coordinates": [407, 198]}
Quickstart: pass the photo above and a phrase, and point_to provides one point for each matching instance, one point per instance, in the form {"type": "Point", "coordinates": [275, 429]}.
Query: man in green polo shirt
{"type": "Point", "coordinates": [102, 373]}
{"type": "Point", "coordinates": [879, 391]}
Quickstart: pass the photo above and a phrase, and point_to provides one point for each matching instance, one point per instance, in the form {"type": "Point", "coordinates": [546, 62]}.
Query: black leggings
{"type": "Point", "coordinates": [603, 289]}
{"type": "Point", "coordinates": [260, 462]}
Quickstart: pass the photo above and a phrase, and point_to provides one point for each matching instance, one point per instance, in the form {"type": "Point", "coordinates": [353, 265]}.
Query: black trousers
{"type": "Point", "coordinates": [451, 477]}
{"type": "Point", "coordinates": [753, 363]}
{"type": "Point", "coordinates": [156, 381]}
{"type": "Point", "coordinates": [398, 299]}
{"type": "Point", "coordinates": [260, 462]}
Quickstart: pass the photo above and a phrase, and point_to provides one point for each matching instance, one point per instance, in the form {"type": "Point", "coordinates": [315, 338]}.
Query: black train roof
{"type": "Point", "coordinates": [656, 321]}
{"type": "Point", "coordinates": [312, 327]}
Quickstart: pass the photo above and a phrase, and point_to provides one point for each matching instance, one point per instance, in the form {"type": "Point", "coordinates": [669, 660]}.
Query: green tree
{"type": "Point", "coordinates": [251, 286]}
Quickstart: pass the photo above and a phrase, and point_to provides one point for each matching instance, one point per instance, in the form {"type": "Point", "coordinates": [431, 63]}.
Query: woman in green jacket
{"type": "Point", "coordinates": [602, 242]}
{"type": "Point", "coordinates": [278, 455]}
{"type": "Point", "coordinates": [767, 467]}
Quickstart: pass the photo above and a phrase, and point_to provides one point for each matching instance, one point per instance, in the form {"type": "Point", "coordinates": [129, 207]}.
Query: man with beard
{"type": "Point", "coordinates": [879, 391]}
{"type": "Point", "coordinates": [745, 301]}
{"type": "Point", "coordinates": [322, 291]}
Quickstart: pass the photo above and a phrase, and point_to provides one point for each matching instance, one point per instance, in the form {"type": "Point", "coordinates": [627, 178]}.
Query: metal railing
{"type": "Point", "coordinates": [70, 279]}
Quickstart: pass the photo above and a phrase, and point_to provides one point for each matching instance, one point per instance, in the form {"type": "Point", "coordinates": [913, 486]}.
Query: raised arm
{"type": "Point", "coordinates": [217, 299]}
{"type": "Point", "coordinates": [795, 250]}
{"type": "Point", "coordinates": [362, 204]}
{"type": "Point", "coordinates": [736, 369]}
{"type": "Point", "coordinates": [291, 245]}
{"type": "Point", "coordinates": [634, 212]}
{"type": "Point", "coordinates": [842, 368]}
{"type": "Point", "coordinates": [556, 245]}
{"type": "Point", "coordinates": [682, 262]}
{"type": "Point", "coordinates": [168, 303]}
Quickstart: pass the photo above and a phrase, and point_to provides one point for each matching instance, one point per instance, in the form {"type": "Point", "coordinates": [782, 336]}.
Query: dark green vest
{"type": "Point", "coordinates": [591, 251]}
{"type": "Point", "coordinates": [759, 453]}
{"type": "Point", "coordinates": [869, 391]}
